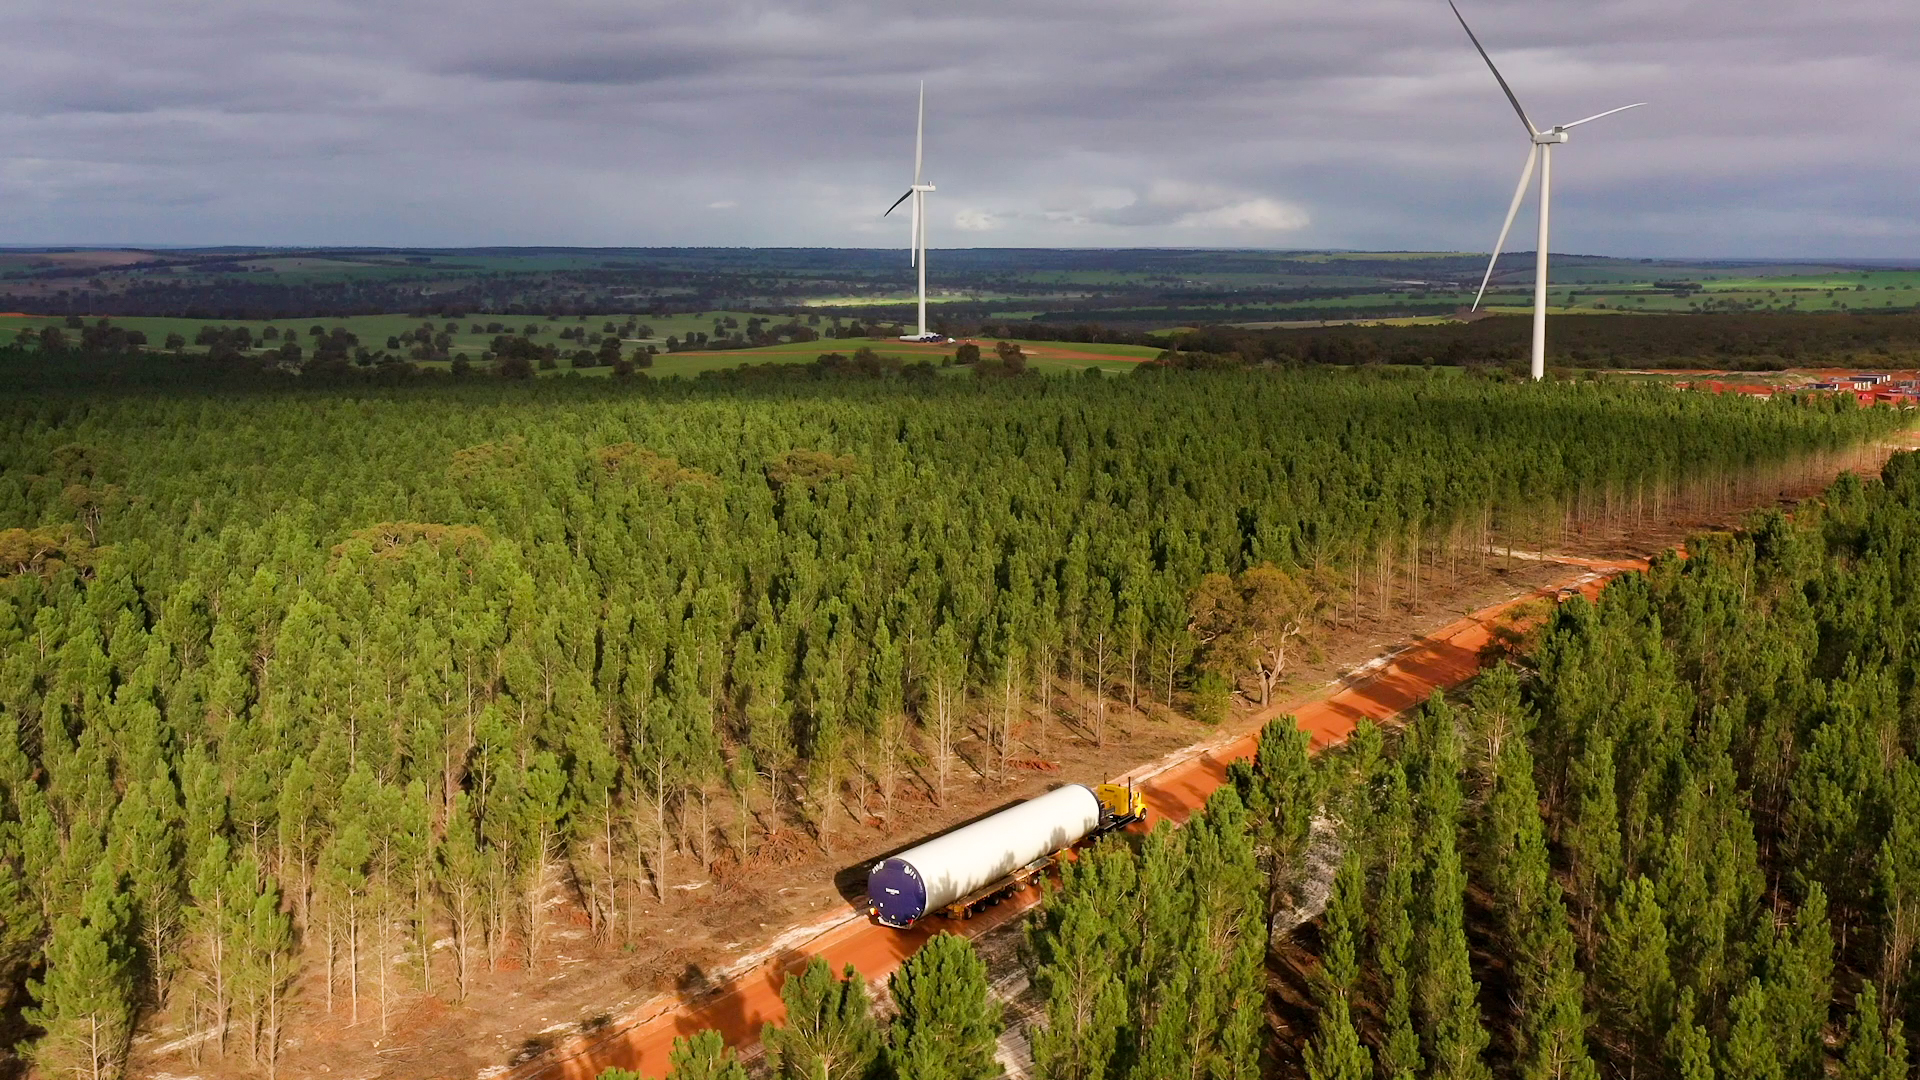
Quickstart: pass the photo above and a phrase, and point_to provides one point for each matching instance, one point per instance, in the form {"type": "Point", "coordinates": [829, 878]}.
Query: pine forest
{"type": "Point", "coordinates": [1680, 838]}
{"type": "Point", "coordinates": [313, 699]}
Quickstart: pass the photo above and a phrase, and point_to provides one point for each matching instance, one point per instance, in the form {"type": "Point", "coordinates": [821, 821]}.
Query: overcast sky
{"type": "Point", "coordinates": [1777, 127]}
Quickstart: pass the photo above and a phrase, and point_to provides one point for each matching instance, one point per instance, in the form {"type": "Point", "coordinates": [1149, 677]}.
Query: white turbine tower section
{"type": "Point", "coordinates": [1540, 154]}
{"type": "Point", "coordinates": [917, 245]}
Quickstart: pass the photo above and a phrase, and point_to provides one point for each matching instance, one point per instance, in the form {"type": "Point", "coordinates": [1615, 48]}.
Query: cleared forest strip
{"type": "Point", "coordinates": [1175, 786]}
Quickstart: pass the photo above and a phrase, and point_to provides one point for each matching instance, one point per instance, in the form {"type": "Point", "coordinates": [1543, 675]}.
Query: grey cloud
{"type": "Point", "coordinates": [1777, 127]}
{"type": "Point", "coordinates": [614, 68]}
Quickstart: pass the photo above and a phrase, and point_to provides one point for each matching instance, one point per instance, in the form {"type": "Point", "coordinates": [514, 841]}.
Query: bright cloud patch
{"type": "Point", "coordinates": [1267, 214]}
{"type": "Point", "coordinates": [1183, 205]}
{"type": "Point", "coordinates": [975, 221]}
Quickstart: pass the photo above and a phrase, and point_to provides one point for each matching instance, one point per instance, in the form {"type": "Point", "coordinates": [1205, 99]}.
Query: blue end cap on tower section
{"type": "Point", "coordinates": [895, 894]}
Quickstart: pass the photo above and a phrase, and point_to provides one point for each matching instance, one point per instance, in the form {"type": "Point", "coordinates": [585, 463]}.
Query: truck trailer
{"type": "Point", "coordinates": [959, 872]}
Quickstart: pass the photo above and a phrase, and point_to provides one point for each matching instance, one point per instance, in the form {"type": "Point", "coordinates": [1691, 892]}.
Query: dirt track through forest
{"type": "Point", "coordinates": [748, 994]}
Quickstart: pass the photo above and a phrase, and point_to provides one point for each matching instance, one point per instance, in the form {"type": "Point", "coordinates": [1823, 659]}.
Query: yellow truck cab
{"type": "Point", "coordinates": [1122, 803]}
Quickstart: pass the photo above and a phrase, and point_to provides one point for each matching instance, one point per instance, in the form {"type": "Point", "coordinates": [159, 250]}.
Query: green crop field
{"type": "Point", "coordinates": [1822, 289]}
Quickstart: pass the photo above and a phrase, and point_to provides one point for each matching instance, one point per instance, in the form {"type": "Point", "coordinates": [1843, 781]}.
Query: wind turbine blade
{"type": "Point", "coordinates": [913, 244]}
{"type": "Point", "coordinates": [1531, 130]}
{"type": "Point", "coordinates": [898, 201]}
{"type": "Point", "coordinates": [920, 131]}
{"type": "Point", "coordinates": [1519, 196]}
{"type": "Point", "coordinates": [1599, 116]}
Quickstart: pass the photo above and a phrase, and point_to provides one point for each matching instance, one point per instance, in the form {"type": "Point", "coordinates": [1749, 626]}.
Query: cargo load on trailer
{"type": "Point", "coordinates": [977, 864]}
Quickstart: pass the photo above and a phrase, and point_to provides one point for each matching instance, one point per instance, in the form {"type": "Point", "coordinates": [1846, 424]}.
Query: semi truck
{"type": "Point", "coordinates": [957, 873]}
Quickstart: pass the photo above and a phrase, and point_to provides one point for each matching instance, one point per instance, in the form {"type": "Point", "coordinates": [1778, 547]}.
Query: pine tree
{"type": "Point", "coordinates": [146, 846]}
{"type": "Point", "coordinates": [414, 863]}
{"type": "Point", "coordinates": [1432, 760]}
{"type": "Point", "coordinates": [1689, 1049]}
{"type": "Point", "coordinates": [461, 875]}
{"type": "Point", "coordinates": [1498, 718]}
{"type": "Point", "coordinates": [1837, 790]}
{"type": "Point", "coordinates": [1081, 943]}
{"type": "Point", "coordinates": [1799, 967]}
{"type": "Point", "coordinates": [1393, 939]}
{"type": "Point", "coordinates": [268, 967]}
{"type": "Point", "coordinates": [21, 920]}
{"type": "Point", "coordinates": [345, 885]}
{"type": "Point", "coordinates": [590, 839]}
{"type": "Point", "coordinates": [829, 1032]}
{"type": "Point", "coordinates": [1336, 1052]}
{"type": "Point", "coordinates": [1223, 939]}
{"type": "Point", "coordinates": [1158, 977]}
{"type": "Point", "coordinates": [1554, 1024]}
{"type": "Point", "coordinates": [1283, 800]}
{"type": "Point", "coordinates": [85, 1002]}
{"type": "Point", "coordinates": [1548, 988]}
{"type": "Point", "coordinates": [1512, 847]}
{"type": "Point", "coordinates": [1872, 1054]}
{"type": "Point", "coordinates": [1346, 920]}
{"type": "Point", "coordinates": [1750, 1052]}
{"type": "Point", "coordinates": [946, 1028]}
{"type": "Point", "coordinates": [1455, 1037]}
{"type": "Point", "coordinates": [1445, 992]}
{"type": "Point", "coordinates": [704, 1056]}
{"type": "Point", "coordinates": [543, 807]}
{"type": "Point", "coordinates": [946, 688]}
{"type": "Point", "coordinates": [662, 760]}
{"type": "Point", "coordinates": [1164, 1041]}
{"type": "Point", "coordinates": [1347, 778]}
{"type": "Point", "coordinates": [1242, 1026]}
{"type": "Point", "coordinates": [1897, 879]}
{"type": "Point", "coordinates": [1633, 982]}
{"type": "Point", "coordinates": [1592, 832]}
{"type": "Point", "coordinates": [211, 923]}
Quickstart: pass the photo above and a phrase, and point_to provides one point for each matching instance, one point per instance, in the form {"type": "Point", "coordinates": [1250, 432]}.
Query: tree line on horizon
{"type": "Point", "coordinates": [1738, 342]}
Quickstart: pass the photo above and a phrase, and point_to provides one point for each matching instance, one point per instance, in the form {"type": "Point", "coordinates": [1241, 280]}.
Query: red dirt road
{"type": "Point", "coordinates": [1174, 787]}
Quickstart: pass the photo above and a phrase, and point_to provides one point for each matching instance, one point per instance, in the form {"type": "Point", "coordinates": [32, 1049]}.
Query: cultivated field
{"type": "Point", "coordinates": [1136, 288]}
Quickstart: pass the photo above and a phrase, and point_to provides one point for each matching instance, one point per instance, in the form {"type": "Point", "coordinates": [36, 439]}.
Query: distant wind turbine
{"type": "Point", "coordinates": [917, 246]}
{"type": "Point", "coordinates": [1541, 153]}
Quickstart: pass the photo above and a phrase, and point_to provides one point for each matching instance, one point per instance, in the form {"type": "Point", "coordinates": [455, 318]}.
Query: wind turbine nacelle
{"type": "Point", "coordinates": [1548, 138]}
{"type": "Point", "coordinates": [921, 187]}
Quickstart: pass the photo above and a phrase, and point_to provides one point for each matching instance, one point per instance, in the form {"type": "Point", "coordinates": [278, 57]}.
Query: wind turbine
{"type": "Point", "coordinates": [1541, 154]}
{"type": "Point", "coordinates": [917, 246]}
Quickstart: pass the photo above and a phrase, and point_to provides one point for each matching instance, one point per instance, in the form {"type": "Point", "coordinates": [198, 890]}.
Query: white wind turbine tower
{"type": "Point", "coordinates": [917, 247]}
{"type": "Point", "coordinates": [1541, 153]}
